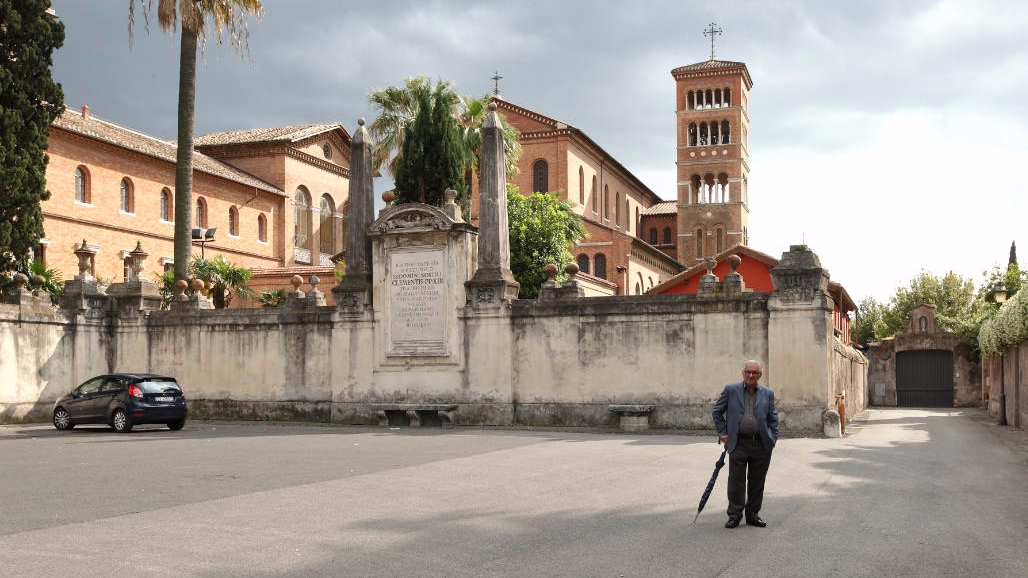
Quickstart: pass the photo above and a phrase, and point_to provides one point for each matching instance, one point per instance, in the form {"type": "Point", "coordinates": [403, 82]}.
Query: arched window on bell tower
{"type": "Point", "coordinates": [699, 243]}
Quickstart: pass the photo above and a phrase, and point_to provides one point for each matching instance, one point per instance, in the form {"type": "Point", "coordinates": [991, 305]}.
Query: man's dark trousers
{"type": "Point", "coordinates": [747, 468]}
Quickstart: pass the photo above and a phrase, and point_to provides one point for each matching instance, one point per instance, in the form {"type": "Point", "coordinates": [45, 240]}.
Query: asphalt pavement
{"type": "Point", "coordinates": [906, 492]}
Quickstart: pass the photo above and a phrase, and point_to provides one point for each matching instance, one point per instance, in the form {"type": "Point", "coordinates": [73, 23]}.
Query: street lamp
{"type": "Point", "coordinates": [999, 295]}
{"type": "Point", "coordinates": [203, 236]}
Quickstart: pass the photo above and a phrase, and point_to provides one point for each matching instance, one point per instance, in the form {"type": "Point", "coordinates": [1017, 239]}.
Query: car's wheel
{"type": "Point", "coordinates": [120, 421]}
{"type": "Point", "coordinates": [176, 425]}
{"type": "Point", "coordinates": [62, 419]}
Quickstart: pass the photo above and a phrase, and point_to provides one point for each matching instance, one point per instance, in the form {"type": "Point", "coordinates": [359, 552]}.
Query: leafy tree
{"type": "Point", "coordinates": [959, 308]}
{"type": "Point", "coordinates": [222, 279]}
{"type": "Point", "coordinates": [543, 229]}
{"type": "Point", "coordinates": [29, 101]}
{"type": "Point", "coordinates": [227, 17]}
{"type": "Point", "coordinates": [870, 323]}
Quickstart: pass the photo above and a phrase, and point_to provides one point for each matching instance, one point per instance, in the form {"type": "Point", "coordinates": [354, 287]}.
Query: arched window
{"type": "Point", "coordinates": [540, 176]}
{"type": "Point", "coordinates": [720, 240]}
{"type": "Point", "coordinates": [581, 186]}
{"type": "Point", "coordinates": [601, 265]}
{"type": "Point", "coordinates": [593, 196]}
{"type": "Point", "coordinates": [233, 221]}
{"type": "Point", "coordinates": [728, 97]}
{"type": "Point", "coordinates": [82, 186]}
{"type": "Point", "coordinates": [638, 289]}
{"type": "Point", "coordinates": [667, 235]}
{"type": "Point", "coordinates": [201, 213]}
{"type": "Point", "coordinates": [301, 218]}
{"type": "Point", "coordinates": [328, 209]}
{"type": "Point", "coordinates": [726, 132]}
{"type": "Point", "coordinates": [617, 208]}
{"type": "Point", "coordinates": [653, 236]}
{"type": "Point", "coordinates": [262, 228]}
{"type": "Point", "coordinates": [127, 202]}
{"type": "Point", "coordinates": [699, 243]}
{"type": "Point", "coordinates": [166, 213]}
{"type": "Point", "coordinates": [606, 203]}
{"type": "Point", "coordinates": [583, 263]}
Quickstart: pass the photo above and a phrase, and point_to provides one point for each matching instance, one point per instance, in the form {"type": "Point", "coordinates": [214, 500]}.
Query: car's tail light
{"type": "Point", "coordinates": [134, 391]}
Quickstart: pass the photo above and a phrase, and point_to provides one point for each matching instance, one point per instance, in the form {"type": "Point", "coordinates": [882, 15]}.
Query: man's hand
{"type": "Point", "coordinates": [723, 440]}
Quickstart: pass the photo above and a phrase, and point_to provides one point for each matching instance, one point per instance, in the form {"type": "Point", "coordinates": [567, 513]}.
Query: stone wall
{"type": "Point", "coordinates": [547, 362]}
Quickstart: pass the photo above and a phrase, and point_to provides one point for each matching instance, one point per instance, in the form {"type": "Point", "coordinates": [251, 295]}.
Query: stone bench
{"type": "Point", "coordinates": [632, 417]}
{"type": "Point", "coordinates": [414, 414]}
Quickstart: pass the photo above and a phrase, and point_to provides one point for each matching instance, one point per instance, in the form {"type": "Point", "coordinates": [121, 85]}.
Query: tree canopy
{"type": "Point", "coordinates": [398, 123]}
{"type": "Point", "coordinates": [433, 157]}
{"type": "Point", "coordinates": [543, 229]}
{"type": "Point", "coordinates": [29, 101]}
{"type": "Point", "coordinates": [960, 307]}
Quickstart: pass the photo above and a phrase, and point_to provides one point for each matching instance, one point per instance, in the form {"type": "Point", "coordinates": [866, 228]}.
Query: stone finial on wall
{"type": "Point", "coordinates": [85, 256]}
{"type": "Point", "coordinates": [451, 208]}
{"type": "Point", "coordinates": [733, 282]}
{"type": "Point", "coordinates": [709, 281]}
{"type": "Point", "coordinates": [493, 285]}
{"type": "Point", "coordinates": [137, 260]}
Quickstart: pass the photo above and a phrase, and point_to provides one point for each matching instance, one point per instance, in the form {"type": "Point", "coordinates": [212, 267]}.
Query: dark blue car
{"type": "Point", "coordinates": [123, 400]}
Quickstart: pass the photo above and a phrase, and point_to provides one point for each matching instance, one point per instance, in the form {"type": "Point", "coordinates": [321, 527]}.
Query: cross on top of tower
{"type": "Point", "coordinates": [496, 82]}
{"type": "Point", "coordinates": [712, 30]}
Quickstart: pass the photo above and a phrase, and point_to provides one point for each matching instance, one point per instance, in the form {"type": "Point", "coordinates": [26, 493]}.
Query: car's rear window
{"type": "Point", "coordinates": [158, 386]}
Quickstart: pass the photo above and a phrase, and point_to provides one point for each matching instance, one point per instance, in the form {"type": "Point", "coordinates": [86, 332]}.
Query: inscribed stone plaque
{"type": "Point", "coordinates": [417, 297]}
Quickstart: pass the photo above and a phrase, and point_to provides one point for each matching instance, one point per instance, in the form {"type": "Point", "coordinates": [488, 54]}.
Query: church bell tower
{"type": "Point", "coordinates": [712, 156]}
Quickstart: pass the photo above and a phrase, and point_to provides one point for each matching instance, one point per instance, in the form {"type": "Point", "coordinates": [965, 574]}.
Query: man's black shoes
{"type": "Point", "coordinates": [732, 522]}
{"type": "Point", "coordinates": [755, 521]}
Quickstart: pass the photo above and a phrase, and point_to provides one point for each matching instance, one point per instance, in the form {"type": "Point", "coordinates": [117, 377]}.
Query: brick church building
{"type": "Point", "coordinates": [275, 199]}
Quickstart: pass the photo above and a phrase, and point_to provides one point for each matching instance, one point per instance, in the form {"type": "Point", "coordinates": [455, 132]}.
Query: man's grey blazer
{"type": "Point", "coordinates": [728, 412]}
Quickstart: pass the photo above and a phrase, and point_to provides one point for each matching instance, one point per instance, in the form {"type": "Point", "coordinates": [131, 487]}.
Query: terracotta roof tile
{"type": "Point", "coordinates": [102, 130]}
{"type": "Point", "coordinates": [663, 208]}
{"type": "Point", "coordinates": [267, 135]}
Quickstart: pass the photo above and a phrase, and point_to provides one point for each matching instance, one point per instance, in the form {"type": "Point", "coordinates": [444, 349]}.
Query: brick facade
{"type": "Point", "coordinates": [248, 189]}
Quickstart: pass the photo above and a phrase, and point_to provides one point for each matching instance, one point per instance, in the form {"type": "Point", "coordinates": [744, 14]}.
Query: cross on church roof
{"type": "Point", "coordinates": [496, 82]}
{"type": "Point", "coordinates": [712, 30]}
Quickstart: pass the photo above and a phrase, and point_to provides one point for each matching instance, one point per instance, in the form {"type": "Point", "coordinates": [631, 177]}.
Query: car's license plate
{"type": "Point", "coordinates": [164, 399]}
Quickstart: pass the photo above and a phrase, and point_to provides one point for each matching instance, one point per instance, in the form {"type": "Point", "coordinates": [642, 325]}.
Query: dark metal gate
{"type": "Point", "coordinates": [924, 378]}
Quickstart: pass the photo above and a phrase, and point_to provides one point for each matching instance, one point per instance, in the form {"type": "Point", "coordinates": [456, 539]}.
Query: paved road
{"type": "Point", "coordinates": [906, 493]}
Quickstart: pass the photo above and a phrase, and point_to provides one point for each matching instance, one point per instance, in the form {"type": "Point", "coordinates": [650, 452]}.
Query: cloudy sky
{"type": "Point", "coordinates": [888, 136]}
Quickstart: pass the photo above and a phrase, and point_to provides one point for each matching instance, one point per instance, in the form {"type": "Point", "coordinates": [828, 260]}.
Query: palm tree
{"type": "Point", "coordinates": [472, 112]}
{"type": "Point", "coordinates": [227, 17]}
{"type": "Point", "coordinates": [399, 106]}
{"type": "Point", "coordinates": [222, 279]}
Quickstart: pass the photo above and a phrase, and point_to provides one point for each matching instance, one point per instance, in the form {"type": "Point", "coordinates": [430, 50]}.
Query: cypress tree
{"type": "Point", "coordinates": [29, 101]}
{"type": "Point", "coordinates": [1013, 253]}
{"type": "Point", "coordinates": [433, 157]}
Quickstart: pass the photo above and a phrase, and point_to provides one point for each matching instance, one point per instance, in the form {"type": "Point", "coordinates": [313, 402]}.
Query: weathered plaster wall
{"type": "Point", "coordinates": [557, 361]}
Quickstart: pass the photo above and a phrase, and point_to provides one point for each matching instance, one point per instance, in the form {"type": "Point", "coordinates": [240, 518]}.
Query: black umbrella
{"type": "Point", "coordinates": [710, 485]}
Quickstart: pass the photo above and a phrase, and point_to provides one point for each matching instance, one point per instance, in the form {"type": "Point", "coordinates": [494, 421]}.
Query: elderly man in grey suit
{"type": "Point", "coordinates": [747, 423]}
